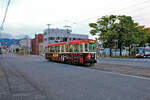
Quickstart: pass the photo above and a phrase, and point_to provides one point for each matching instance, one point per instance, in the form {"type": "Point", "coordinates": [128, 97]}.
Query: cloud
{"type": "Point", "coordinates": [31, 16]}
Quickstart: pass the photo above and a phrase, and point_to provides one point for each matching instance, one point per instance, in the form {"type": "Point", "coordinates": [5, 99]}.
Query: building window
{"type": "Point", "coordinates": [45, 39]}
{"type": "Point", "coordinates": [58, 38]}
{"type": "Point", "coordinates": [51, 38]}
{"type": "Point", "coordinates": [61, 38]}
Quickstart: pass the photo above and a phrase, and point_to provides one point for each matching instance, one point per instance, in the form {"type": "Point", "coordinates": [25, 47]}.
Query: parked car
{"type": "Point", "coordinates": [140, 55]}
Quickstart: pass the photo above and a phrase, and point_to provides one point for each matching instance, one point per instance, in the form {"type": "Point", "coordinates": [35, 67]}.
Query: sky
{"type": "Point", "coordinates": [29, 17]}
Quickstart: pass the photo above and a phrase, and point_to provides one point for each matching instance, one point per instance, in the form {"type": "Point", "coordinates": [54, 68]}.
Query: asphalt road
{"type": "Point", "coordinates": [58, 81]}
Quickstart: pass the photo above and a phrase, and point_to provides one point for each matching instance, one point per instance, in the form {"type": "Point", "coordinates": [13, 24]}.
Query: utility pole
{"type": "Point", "coordinates": [67, 27]}
{"type": "Point", "coordinates": [48, 25]}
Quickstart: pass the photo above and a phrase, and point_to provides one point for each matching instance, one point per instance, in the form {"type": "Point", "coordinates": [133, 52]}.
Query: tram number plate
{"type": "Point", "coordinates": [55, 55]}
{"type": "Point", "coordinates": [91, 41]}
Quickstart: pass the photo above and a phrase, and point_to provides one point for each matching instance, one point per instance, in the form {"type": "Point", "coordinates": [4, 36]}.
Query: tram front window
{"type": "Point", "coordinates": [86, 47]}
{"type": "Point", "coordinates": [91, 47]}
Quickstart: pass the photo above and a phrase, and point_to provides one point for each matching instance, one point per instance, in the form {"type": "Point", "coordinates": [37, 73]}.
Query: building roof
{"type": "Point", "coordinates": [62, 33]}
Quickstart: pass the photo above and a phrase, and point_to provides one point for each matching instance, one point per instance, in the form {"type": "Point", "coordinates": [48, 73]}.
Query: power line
{"type": "Point", "coordinates": [2, 6]}
{"type": "Point", "coordinates": [4, 19]}
{"type": "Point", "coordinates": [127, 7]}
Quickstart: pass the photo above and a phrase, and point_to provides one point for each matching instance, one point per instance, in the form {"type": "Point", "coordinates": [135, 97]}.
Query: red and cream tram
{"type": "Point", "coordinates": [72, 52]}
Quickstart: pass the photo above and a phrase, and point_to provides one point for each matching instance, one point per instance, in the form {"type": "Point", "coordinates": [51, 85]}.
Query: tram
{"type": "Point", "coordinates": [81, 52]}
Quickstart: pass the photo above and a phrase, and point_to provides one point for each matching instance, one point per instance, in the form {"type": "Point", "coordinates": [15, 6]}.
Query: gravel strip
{"type": "Point", "coordinates": [123, 69]}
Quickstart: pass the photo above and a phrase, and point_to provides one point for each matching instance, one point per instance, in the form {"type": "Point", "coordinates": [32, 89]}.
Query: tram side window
{"type": "Point", "coordinates": [67, 47]}
{"type": "Point", "coordinates": [76, 47]}
{"type": "Point", "coordinates": [62, 48]}
{"type": "Point", "coordinates": [86, 47]}
{"type": "Point", "coordinates": [91, 47]}
{"type": "Point", "coordinates": [52, 48]}
{"type": "Point", "coordinates": [58, 48]}
{"type": "Point", "coordinates": [46, 49]}
{"type": "Point", "coordinates": [70, 48]}
{"type": "Point", "coordinates": [49, 49]}
{"type": "Point", "coordinates": [81, 47]}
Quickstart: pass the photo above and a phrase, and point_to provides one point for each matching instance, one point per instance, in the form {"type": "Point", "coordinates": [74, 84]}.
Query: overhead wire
{"type": "Point", "coordinates": [125, 8]}
{"type": "Point", "coordinates": [5, 15]}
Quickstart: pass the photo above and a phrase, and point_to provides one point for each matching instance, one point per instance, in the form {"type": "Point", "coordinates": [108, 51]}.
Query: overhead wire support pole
{"type": "Point", "coordinates": [48, 25]}
{"type": "Point", "coordinates": [67, 26]}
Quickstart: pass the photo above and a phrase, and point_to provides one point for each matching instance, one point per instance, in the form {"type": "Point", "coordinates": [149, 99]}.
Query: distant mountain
{"type": "Point", "coordinates": [6, 35]}
{"type": "Point", "coordinates": [11, 36]}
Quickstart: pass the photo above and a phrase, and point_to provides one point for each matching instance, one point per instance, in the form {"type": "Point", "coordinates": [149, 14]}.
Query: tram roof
{"type": "Point", "coordinates": [71, 42]}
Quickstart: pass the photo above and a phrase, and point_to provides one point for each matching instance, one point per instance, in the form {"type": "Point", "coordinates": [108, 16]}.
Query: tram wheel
{"type": "Point", "coordinates": [87, 64]}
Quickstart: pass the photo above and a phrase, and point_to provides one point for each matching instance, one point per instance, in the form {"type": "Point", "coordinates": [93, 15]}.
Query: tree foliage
{"type": "Point", "coordinates": [118, 28]}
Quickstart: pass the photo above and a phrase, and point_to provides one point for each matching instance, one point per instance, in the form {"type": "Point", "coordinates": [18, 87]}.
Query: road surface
{"type": "Point", "coordinates": [34, 78]}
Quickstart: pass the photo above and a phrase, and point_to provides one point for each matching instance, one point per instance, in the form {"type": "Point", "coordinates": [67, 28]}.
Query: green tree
{"type": "Point", "coordinates": [17, 50]}
{"type": "Point", "coordinates": [148, 34]}
{"type": "Point", "coordinates": [121, 28]}
{"type": "Point", "coordinates": [104, 27]}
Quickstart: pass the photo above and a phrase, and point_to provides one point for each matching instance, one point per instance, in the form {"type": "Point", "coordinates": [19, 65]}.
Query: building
{"type": "Point", "coordinates": [36, 44]}
{"type": "Point", "coordinates": [59, 35]}
{"type": "Point", "coordinates": [25, 44]}
{"type": "Point", "coordinates": [40, 48]}
{"type": "Point", "coordinates": [14, 48]}
{"type": "Point", "coordinates": [32, 50]}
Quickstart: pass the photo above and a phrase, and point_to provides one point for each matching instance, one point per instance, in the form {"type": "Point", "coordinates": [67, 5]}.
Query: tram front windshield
{"type": "Point", "coordinates": [91, 47]}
